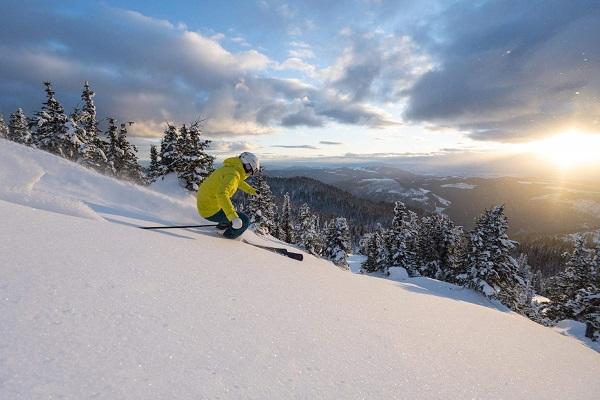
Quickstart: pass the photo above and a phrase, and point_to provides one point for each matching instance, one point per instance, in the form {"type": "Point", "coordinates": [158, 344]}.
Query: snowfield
{"type": "Point", "coordinates": [92, 307]}
{"type": "Point", "coordinates": [459, 185]}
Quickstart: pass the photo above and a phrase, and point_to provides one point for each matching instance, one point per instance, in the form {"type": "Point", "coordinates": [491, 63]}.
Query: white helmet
{"type": "Point", "coordinates": [250, 162]}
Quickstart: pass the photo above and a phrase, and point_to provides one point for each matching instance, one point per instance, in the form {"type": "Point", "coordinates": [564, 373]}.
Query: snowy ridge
{"type": "Point", "coordinates": [92, 309]}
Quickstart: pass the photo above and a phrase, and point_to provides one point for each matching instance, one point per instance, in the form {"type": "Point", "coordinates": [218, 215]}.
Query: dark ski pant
{"type": "Point", "coordinates": [230, 233]}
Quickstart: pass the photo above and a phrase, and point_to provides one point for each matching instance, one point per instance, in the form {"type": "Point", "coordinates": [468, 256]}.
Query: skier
{"type": "Point", "coordinates": [215, 192]}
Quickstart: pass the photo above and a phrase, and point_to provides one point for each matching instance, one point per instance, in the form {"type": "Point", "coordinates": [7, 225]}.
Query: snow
{"type": "Point", "coordinates": [398, 274]}
{"type": "Point", "coordinates": [90, 308]}
{"type": "Point", "coordinates": [379, 180]}
{"type": "Point", "coordinates": [539, 299]}
{"type": "Point", "coordinates": [459, 185]}
{"type": "Point", "coordinates": [442, 201]}
{"type": "Point", "coordinates": [576, 329]}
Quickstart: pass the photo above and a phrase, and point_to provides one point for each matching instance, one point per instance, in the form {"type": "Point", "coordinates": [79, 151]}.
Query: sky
{"type": "Point", "coordinates": [316, 79]}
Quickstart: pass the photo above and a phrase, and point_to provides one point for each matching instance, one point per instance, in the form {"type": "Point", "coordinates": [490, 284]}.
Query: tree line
{"type": "Point", "coordinates": [78, 137]}
{"type": "Point", "coordinates": [433, 246]}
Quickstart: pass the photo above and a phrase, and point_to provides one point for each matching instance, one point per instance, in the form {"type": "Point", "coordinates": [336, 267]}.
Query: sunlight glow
{"type": "Point", "coordinates": [569, 149]}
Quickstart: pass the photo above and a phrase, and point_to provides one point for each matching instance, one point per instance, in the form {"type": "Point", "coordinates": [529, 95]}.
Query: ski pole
{"type": "Point", "coordinates": [176, 226]}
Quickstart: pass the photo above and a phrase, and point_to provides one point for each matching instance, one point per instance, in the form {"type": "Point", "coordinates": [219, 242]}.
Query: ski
{"type": "Point", "coordinates": [176, 226]}
{"type": "Point", "coordinates": [278, 250]}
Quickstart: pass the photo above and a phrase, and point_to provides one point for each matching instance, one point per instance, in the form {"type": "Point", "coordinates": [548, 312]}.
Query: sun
{"type": "Point", "coordinates": [569, 149]}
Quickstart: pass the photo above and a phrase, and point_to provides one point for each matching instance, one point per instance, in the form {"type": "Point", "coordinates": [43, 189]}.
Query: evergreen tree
{"type": "Point", "coordinates": [538, 282]}
{"type": "Point", "coordinates": [276, 223]}
{"type": "Point", "coordinates": [261, 207]}
{"type": "Point", "coordinates": [403, 238]}
{"type": "Point", "coordinates": [527, 290]}
{"type": "Point", "coordinates": [194, 164]}
{"type": "Point", "coordinates": [489, 267]}
{"type": "Point", "coordinates": [373, 250]}
{"type": "Point", "coordinates": [437, 245]}
{"type": "Point", "coordinates": [52, 133]}
{"type": "Point", "coordinates": [456, 249]}
{"type": "Point", "coordinates": [169, 155]}
{"type": "Point", "coordinates": [595, 273]}
{"type": "Point", "coordinates": [337, 242]}
{"type": "Point", "coordinates": [586, 303]}
{"type": "Point", "coordinates": [428, 238]}
{"type": "Point", "coordinates": [154, 168]}
{"type": "Point", "coordinates": [585, 307]}
{"type": "Point", "coordinates": [563, 288]}
{"type": "Point", "coordinates": [18, 128]}
{"type": "Point", "coordinates": [114, 153]}
{"type": "Point", "coordinates": [92, 148]}
{"type": "Point", "coordinates": [4, 132]}
{"type": "Point", "coordinates": [129, 167]}
{"type": "Point", "coordinates": [286, 223]}
{"type": "Point", "coordinates": [88, 114]}
{"type": "Point", "coordinates": [309, 233]}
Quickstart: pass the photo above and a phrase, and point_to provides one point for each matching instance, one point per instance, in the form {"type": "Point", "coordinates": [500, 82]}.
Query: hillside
{"type": "Point", "coordinates": [92, 307]}
{"type": "Point", "coordinates": [534, 206]}
{"type": "Point", "coordinates": [328, 202]}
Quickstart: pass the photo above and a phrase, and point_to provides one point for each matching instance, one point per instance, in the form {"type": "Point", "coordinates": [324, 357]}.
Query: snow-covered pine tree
{"type": "Point", "coordinates": [595, 274]}
{"type": "Point", "coordinates": [88, 113]}
{"type": "Point", "coordinates": [3, 128]}
{"type": "Point", "coordinates": [181, 145]}
{"type": "Point", "coordinates": [261, 207]}
{"type": "Point", "coordinates": [307, 226]}
{"type": "Point", "coordinates": [92, 149]}
{"type": "Point", "coordinates": [403, 236]}
{"type": "Point", "coordinates": [527, 291]}
{"type": "Point", "coordinates": [452, 262]}
{"type": "Point", "coordinates": [153, 171]}
{"type": "Point", "coordinates": [169, 156]}
{"type": "Point", "coordinates": [52, 133]}
{"type": "Point", "coordinates": [490, 268]}
{"type": "Point", "coordinates": [130, 168]}
{"type": "Point", "coordinates": [585, 305]}
{"type": "Point", "coordinates": [18, 128]}
{"type": "Point", "coordinates": [563, 287]}
{"type": "Point", "coordinates": [286, 222]}
{"type": "Point", "coordinates": [195, 163]}
{"type": "Point", "coordinates": [586, 308]}
{"type": "Point", "coordinates": [387, 250]}
{"type": "Point", "coordinates": [319, 241]}
{"type": "Point", "coordinates": [337, 242]}
{"type": "Point", "coordinates": [426, 255]}
{"type": "Point", "coordinates": [437, 245]}
{"type": "Point", "coordinates": [114, 154]}
{"type": "Point", "coordinates": [276, 224]}
{"type": "Point", "coordinates": [373, 250]}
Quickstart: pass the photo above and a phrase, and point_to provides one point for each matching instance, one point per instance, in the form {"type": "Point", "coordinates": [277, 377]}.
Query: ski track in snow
{"type": "Point", "coordinates": [90, 309]}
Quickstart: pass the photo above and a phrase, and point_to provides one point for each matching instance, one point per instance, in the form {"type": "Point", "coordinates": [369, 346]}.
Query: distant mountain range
{"type": "Point", "coordinates": [533, 206]}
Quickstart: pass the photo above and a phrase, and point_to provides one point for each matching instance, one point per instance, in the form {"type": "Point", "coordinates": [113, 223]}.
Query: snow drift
{"type": "Point", "coordinates": [95, 309]}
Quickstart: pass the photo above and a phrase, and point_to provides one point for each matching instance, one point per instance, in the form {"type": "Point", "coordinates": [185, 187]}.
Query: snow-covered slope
{"type": "Point", "coordinates": [95, 309]}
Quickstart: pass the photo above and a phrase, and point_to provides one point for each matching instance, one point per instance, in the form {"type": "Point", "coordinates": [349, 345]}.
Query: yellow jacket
{"type": "Point", "coordinates": [215, 192]}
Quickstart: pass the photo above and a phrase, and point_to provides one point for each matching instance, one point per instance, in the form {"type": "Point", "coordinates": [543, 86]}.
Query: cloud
{"type": "Point", "coordinates": [301, 50]}
{"type": "Point", "coordinates": [330, 143]}
{"type": "Point", "coordinates": [510, 71]}
{"type": "Point", "coordinates": [152, 70]}
{"type": "Point", "coordinates": [300, 146]}
{"type": "Point", "coordinates": [223, 146]}
{"type": "Point", "coordinates": [304, 117]}
{"type": "Point", "coordinates": [376, 67]}
{"type": "Point", "coordinates": [298, 65]}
